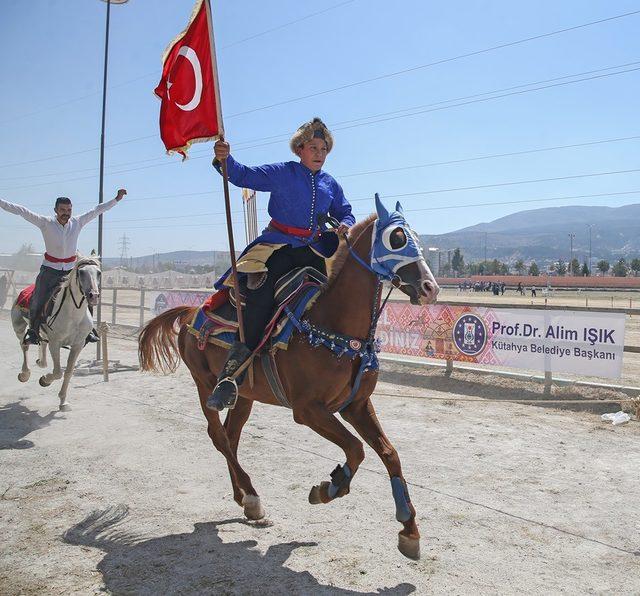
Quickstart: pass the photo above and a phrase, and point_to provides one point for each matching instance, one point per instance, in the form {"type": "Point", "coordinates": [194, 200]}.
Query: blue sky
{"type": "Point", "coordinates": [51, 60]}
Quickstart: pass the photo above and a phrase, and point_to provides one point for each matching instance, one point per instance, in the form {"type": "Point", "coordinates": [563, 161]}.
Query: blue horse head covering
{"type": "Point", "coordinates": [391, 250]}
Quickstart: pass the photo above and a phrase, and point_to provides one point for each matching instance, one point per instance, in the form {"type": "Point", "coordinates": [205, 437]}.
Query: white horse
{"type": "Point", "coordinates": [68, 324]}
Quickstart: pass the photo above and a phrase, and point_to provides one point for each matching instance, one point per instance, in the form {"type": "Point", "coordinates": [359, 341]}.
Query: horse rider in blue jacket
{"type": "Point", "coordinates": [301, 192]}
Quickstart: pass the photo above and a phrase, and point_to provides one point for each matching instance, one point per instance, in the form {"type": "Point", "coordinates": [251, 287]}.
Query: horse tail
{"type": "Point", "coordinates": [100, 529]}
{"type": "Point", "coordinates": [157, 342]}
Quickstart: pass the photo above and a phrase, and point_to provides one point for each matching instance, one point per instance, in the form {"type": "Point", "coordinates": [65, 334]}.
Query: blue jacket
{"type": "Point", "coordinates": [298, 196]}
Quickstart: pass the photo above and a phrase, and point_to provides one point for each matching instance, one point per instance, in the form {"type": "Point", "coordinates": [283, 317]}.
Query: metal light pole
{"type": "Point", "coordinates": [433, 249]}
{"type": "Point", "coordinates": [571, 237]}
{"type": "Point", "coordinates": [101, 189]}
{"type": "Point", "coordinates": [485, 248]}
{"type": "Point", "coordinates": [590, 263]}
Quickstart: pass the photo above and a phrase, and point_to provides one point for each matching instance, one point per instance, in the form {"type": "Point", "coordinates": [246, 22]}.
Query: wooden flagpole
{"type": "Point", "coordinates": [225, 178]}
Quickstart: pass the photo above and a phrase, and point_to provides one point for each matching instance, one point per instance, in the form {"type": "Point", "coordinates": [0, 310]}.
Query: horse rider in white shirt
{"type": "Point", "coordinates": [60, 235]}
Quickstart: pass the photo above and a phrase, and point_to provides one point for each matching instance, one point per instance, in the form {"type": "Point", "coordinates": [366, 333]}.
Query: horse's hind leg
{"type": "Point", "coordinates": [243, 492]}
{"type": "Point", "coordinates": [25, 373]}
{"type": "Point", "coordinates": [362, 416]}
{"type": "Point", "coordinates": [319, 419]}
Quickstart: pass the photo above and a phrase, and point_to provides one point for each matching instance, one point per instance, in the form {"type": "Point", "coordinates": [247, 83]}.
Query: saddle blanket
{"type": "Point", "coordinates": [216, 321]}
{"type": "Point", "coordinates": [24, 297]}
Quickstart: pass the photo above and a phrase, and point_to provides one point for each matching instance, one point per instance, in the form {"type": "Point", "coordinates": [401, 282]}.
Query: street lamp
{"type": "Point", "coordinates": [101, 189]}
{"type": "Point", "coordinates": [571, 237]}
{"type": "Point", "coordinates": [590, 263]}
{"type": "Point", "coordinates": [433, 249]}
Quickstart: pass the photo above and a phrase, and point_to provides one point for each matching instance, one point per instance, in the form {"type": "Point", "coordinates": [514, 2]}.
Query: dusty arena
{"type": "Point", "coordinates": [124, 493]}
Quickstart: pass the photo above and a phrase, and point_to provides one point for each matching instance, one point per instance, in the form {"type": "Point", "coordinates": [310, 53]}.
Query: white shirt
{"type": "Point", "coordinates": [60, 241]}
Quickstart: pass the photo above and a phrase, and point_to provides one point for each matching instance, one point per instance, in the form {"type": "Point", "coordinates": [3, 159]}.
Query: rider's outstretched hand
{"type": "Point", "coordinates": [121, 193]}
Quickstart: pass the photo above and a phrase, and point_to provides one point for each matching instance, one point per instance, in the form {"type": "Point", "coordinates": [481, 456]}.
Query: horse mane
{"type": "Point", "coordinates": [81, 262]}
{"type": "Point", "coordinates": [337, 263]}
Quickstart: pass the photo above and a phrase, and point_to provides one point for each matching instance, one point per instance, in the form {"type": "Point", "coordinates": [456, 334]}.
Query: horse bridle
{"type": "Point", "coordinates": [54, 316]}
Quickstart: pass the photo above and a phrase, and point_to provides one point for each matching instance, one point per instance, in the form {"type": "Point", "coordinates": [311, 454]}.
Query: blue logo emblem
{"type": "Point", "coordinates": [470, 334]}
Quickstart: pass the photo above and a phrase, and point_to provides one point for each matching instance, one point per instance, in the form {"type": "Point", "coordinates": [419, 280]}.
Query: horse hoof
{"type": "Point", "coordinates": [319, 494]}
{"type": "Point", "coordinates": [253, 508]}
{"type": "Point", "coordinates": [64, 407]}
{"type": "Point", "coordinates": [23, 377]}
{"type": "Point", "coordinates": [409, 547]}
{"type": "Point", "coordinates": [43, 382]}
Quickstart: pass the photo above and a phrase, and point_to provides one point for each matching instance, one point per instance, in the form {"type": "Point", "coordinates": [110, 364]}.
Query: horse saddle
{"type": "Point", "coordinates": [216, 321]}
{"type": "Point", "coordinates": [24, 301]}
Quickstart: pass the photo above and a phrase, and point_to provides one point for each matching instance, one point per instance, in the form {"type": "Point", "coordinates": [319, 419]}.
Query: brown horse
{"type": "Point", "coordinates": [316, 382]}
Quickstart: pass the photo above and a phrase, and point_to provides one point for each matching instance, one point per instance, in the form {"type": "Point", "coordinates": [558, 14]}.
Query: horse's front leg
{"type": "Point", "coordinates": [56, 373]}
{"type": "Point", "coordinates": [243, 492]}
{"type": "Point", "coordinates": [316, 416]}
{"type": "Point", "coordinates": [42, 355]}
{"type": "Point", "coordinates": [25, 373]}
{"type": "Point", "coordinates": [74, 352]}
{"type": "Point", "coordinates": [362, 416]}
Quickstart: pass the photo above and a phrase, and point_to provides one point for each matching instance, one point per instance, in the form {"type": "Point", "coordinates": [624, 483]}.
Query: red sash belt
{"type": "Point", "coordinates": [51, 259]}
{"type": "Point", "coordinates": [304, 232]}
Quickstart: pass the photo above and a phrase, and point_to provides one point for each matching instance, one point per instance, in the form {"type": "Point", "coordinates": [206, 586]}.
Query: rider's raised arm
{"type": "Point", "coordinates": [340, 208]}
{"type": "Point", "coordinates": [263, 178]}
{"type": "Point", "coordinates": [85, 218]}
{"type": "Point", "coordinates": [30, 216]}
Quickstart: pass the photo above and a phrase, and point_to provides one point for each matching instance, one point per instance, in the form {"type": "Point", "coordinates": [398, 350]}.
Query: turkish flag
{"type": "Point", "coordinates": [188, 89]}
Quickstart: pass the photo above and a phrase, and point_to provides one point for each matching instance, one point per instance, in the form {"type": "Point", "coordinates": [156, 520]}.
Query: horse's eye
{"type": "Point", "coordinates": [398, 238]}
{"type": "Point", "coordinates": [394, 238]}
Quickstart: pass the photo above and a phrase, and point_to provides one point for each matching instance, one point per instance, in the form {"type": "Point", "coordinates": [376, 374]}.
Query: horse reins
{"type": "Point", "coordinates": [68, 289]}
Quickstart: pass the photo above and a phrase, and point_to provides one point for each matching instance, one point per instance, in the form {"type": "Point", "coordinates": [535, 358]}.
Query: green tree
{"type": "Point", "coordinates": [519, 267]}
{"type": "Point", "coordinates": [603, 266]}
{"type": "Point", "coordinates": [635, 266]}
{"type": "Point", "coordinates": [574, 266]}
{"type": "Point", "coordinates": [473, 268]}
{"type": "Point", "coordinates": [585, 270]}
{"type": "Point", "coordinates": [457, 261]}
{"type": "Point", "coordinates": [534, 269]}
{"type": "Point", "coordinates": [561, 268]}
{"type": "Point", "coordinates": [620, 268]}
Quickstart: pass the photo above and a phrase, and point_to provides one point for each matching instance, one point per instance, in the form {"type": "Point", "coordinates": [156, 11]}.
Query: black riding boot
{"type": "Point", "coordinates": [31, 337]}
{"type": "Point", "coordinates": [92, 338]}
{"type": "Point", "coordinates": [225, 393]}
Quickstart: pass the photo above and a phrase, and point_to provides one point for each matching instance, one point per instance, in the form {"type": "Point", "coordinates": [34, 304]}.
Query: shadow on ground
{"type": "Point", "coordinates": [482, 385]}
{"type": "Point", "coordinates": [17, 421]}
{"type": "Point", "coordinates": [195, 563]}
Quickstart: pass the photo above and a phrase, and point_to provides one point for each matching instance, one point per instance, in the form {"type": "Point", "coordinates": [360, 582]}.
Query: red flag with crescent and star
{"type": "Point", "coordinates": [190, 109]}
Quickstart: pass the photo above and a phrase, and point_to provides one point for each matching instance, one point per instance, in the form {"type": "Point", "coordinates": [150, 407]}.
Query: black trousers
{"type": "Point", "coordinates": [46, 282]}
{"type": "Point", "coordinates": [260, 302]}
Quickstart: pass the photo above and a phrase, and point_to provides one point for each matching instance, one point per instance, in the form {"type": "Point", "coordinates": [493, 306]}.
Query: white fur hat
{"type": "Point", "coordinates": [315, 129]}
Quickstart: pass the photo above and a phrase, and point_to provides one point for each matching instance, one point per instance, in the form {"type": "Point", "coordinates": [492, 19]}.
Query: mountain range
{"type": "Point", "coordinates": [541, 235]}
{"type": "Point", "coordinates": [548, 234]}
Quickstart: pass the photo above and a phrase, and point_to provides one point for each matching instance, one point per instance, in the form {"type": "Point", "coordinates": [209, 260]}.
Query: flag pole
{"type": "Point", "coordinates": [225, 179]}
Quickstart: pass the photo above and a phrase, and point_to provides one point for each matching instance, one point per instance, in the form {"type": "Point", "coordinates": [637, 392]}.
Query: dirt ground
{"type": "Point", "coordinates": [124, 494]}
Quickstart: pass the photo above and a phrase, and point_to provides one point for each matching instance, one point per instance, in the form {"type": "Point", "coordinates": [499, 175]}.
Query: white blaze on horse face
{"type": "Point", "coordinates": [429, 288]}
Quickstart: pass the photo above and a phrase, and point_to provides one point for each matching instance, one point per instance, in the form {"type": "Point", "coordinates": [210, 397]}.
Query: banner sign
{"type": "Point", "coordinates": [162, 301]}
{"type": "Point", "coordinates": [584, 343]}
